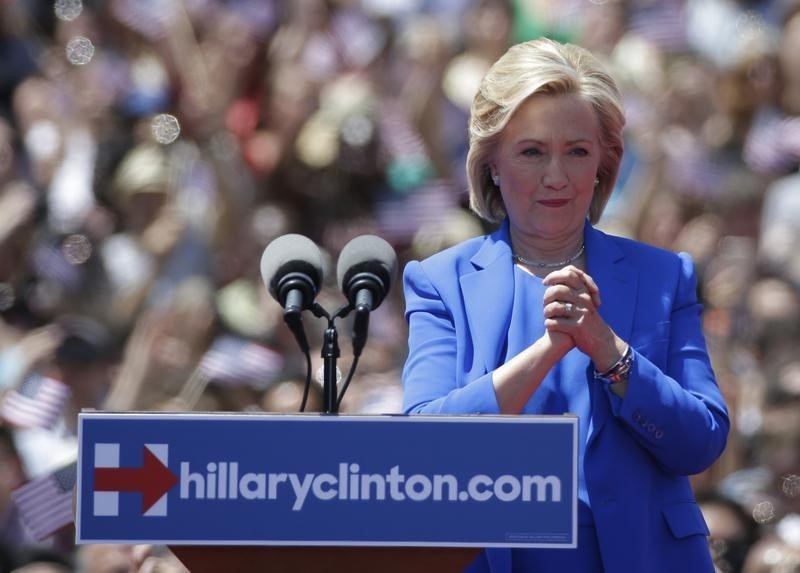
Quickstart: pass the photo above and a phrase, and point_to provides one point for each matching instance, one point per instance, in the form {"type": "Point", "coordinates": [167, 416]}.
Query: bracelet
{"type": "Point", "coordinates": [619, 370]}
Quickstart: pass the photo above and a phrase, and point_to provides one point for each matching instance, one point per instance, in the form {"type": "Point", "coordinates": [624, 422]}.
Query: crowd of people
{"type": "Point", "coordinates": [149, 152]}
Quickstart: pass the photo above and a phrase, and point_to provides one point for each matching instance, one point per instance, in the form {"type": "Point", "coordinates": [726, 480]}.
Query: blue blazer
{"type": "Point", "coordinates": [672, 422]}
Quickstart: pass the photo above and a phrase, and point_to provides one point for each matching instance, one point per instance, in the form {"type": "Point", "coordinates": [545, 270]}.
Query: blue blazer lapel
{"type": "Point", "coordinates": [488, 297]}
{"type": "Point", "coordinates": [616, 279]}
{"type": "Point", "coordinates": [618, 283]}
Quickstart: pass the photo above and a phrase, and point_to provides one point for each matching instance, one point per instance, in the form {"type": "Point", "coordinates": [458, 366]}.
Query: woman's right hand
{"type": "Point", "coordinates": [561, 342]}
{"type": "Point", "coordinates": [516, 380]}
{"type": "Point", "coordinates": [571, 304]}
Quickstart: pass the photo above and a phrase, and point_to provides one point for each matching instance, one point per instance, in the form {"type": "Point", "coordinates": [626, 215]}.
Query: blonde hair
{"type": "Point", "coordinates": [540, 66]}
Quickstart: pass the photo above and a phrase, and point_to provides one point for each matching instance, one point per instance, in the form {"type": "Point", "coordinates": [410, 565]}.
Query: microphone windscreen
{"type": "Point", "coordinates": [367, 253]}
{"type": "Point", "coordinates": [291, 253]}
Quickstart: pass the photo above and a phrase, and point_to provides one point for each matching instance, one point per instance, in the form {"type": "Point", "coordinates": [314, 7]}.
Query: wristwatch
{"type": "Point", "coordinates": [620, 370]}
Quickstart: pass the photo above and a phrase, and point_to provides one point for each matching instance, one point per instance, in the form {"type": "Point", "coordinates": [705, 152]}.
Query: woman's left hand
{"type": "Point", "coordinates": [570, 306]}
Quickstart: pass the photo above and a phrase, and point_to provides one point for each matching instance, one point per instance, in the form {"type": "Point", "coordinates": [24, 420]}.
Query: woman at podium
{"type": "Point", "coordinates": [549, 315]}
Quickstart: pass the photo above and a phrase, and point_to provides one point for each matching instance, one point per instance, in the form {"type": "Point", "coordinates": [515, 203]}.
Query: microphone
{"type": "Point", "coordinates": [366, 269]}
{"type": "Point", "coordinates": [291, 268]}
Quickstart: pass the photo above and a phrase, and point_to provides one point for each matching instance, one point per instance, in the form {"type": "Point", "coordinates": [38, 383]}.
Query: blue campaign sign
{"type": "Point", "coordinates": [241, 479]}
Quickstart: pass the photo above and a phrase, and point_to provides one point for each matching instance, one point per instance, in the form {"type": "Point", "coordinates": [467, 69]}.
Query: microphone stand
{"type": "Point", "coordinates": [330, 353]}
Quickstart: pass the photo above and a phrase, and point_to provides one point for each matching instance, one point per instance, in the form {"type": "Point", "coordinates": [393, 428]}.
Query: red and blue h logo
{"type": "Point", "coordinates": [153, 479]}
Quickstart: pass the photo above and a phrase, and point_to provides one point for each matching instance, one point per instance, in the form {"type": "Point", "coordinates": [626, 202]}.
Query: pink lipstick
{"type": "Point", "coordinates": [553, 202]}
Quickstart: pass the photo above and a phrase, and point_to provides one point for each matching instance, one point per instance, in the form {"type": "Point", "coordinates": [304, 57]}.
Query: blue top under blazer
{"type": "Point", "coordinates": [672, 422]}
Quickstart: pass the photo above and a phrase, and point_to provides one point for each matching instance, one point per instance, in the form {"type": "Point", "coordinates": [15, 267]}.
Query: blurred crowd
{"type": "Point", "coordinates": [150, 150]}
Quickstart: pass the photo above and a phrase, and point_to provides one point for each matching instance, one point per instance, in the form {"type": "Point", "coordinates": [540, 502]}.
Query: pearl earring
{"type": "Point", "coordinates": [496, 180]}
{"type": "Point", "coordinates": [596, 180]}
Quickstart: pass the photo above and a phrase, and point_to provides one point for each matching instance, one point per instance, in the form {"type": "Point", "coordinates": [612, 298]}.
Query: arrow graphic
{"type": "Point", "coordinates": [152, 480]}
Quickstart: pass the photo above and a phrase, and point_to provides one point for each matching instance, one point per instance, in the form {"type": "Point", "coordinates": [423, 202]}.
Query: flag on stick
{"type": "Point", "coordinates": [37, 403]}
{"type": "Point", "coordinates": [45, 503]}
{"type": "Point", "coordinates": [233, 360]}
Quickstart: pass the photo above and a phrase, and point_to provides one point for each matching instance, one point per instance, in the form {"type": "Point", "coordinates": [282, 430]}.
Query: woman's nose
{"type": "Point", "coordinates": [555, 176]}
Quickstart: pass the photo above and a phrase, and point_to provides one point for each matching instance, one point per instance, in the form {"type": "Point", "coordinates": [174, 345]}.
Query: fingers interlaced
{"type": "Point", "coordinates": [563, 294]}
{"type": "Point", "coordinates": [576, 280]}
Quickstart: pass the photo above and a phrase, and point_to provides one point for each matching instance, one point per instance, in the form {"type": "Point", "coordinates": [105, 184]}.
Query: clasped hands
{"type": "Point", "coordinates": [571, 317]}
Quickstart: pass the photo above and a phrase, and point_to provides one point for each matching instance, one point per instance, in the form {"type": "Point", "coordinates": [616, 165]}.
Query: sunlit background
{"type": "Point", "coordinates": [151, 149]}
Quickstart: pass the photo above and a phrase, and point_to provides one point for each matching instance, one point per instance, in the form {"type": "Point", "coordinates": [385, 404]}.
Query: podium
{"type": "Point", "coordinates": [311, 492]}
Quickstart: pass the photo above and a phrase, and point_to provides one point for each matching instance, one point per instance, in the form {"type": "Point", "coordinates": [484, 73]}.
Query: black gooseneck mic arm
{"type": "Point", "coordinates": [293, 289]}
{"type": "Point", "coordinates": [366, 269]}
{"type": "Point", "coordinates": [291, 267]}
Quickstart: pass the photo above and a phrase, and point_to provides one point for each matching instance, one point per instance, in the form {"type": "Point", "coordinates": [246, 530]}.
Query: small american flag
{"type": "Point", "coordinates": [399, 217]}
{"type": "Point", "coordinates": [45, 504]}
{"type": "Point", "coordinates": [37, 403]}
{"type": "Point", "coordinates": [772, 146]}
{"type": "Point", "coordinates": [151, 19]}
{"type": "Point", "coordinates": [235, 360]}
{"type": "Point", "coordinates": [663, 23]}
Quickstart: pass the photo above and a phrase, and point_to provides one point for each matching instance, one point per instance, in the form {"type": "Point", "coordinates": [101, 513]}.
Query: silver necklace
{"type": "Point", "coordinates": [540, 265]}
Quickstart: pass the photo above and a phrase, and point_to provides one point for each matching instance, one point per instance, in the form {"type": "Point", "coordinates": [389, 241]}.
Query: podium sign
{"type": "Point", "coordinates": [248, 479]}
